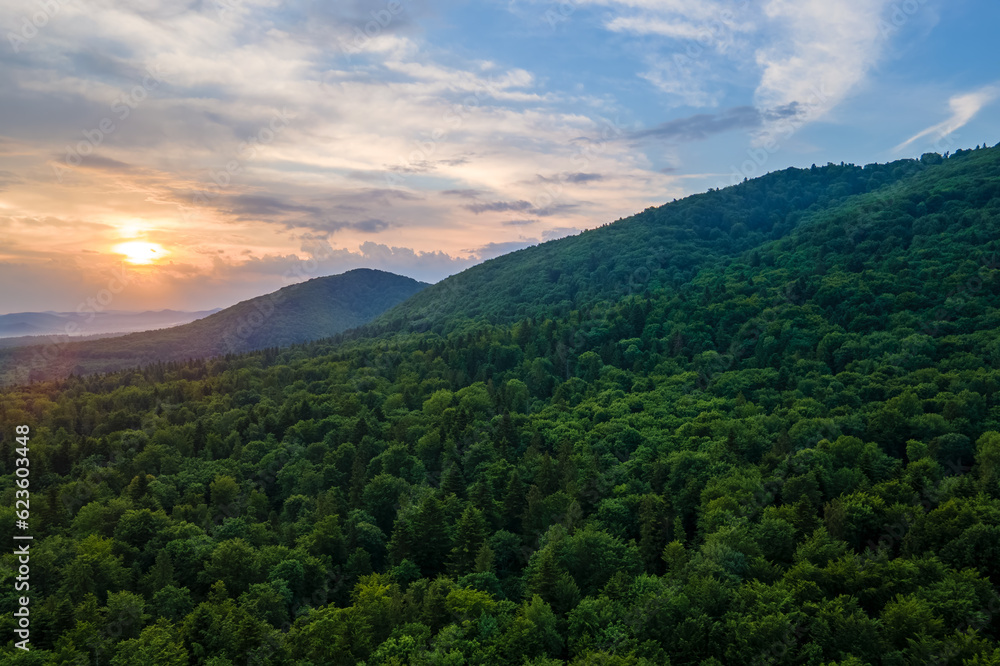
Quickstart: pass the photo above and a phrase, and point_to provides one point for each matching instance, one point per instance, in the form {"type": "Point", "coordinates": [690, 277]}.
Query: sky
{"type": "Point", "coordinates": [191, 154]}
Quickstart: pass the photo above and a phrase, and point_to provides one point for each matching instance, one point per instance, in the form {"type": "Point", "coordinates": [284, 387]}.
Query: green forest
{"type": "Point", "coordinates": [755, 426]}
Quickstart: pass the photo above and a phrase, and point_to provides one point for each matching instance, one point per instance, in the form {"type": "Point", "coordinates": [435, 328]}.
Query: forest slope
{"type": "Point", "coordinates": [660, 247]}
{"type": "Point", "coordinates": [791, 458]}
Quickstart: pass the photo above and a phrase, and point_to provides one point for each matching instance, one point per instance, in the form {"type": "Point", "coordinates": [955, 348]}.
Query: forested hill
{"type": "Point", "coordinates": [310, 310]}
{"type": "Point", "coordinates": [788, 456]}
{"type": "Point", "coordinates": [665, 246]}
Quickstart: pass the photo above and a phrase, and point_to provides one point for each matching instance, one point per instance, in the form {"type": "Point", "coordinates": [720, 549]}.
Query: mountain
{"type": "Point", "coordinates": [310, 310]}
{"type": "Point", "coordinates": [783, 449]}
{"type": "Point", "coordinates": [662, 247]}
{"type": "Point", "coordinates": [89, 323]}
{"type": "Point", "coordinates": [33, 340]}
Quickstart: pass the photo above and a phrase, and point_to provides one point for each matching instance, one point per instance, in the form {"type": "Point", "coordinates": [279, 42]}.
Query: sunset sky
{"type": "Point", "coordinates": [215, 150]}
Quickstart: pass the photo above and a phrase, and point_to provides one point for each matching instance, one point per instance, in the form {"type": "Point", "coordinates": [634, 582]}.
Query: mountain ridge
{"type": "Point", "coordinates": [615, 258]}
{"type": "Point", "coordinates": [89, 322]}
{"type": "Point", "coordinates": [309, 310]}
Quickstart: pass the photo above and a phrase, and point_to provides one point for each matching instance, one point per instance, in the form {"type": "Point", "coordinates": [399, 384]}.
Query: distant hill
{"type": "Point", "coordinates": [29, 340]}
{"type": "Point", "coordinates": [311, 310]}
{"type": "Point", "coordinates": [87, 324]}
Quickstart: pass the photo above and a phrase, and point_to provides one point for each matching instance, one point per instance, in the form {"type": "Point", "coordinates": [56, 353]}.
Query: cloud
{"type": "Point", "coordinates": [462, 136]}
{"type": "Point", "coordinates": [808, 53]}
{"type": "Point", "coordinates": [52, 222]}
{"type": "Point", "coordinates": [494, 250]}
{"type": "Point", "coordinates": [105, 163]}
{"type": "Point", "coordinates": [703, 125]}
{"type": "Point", "coordinates": [499, 207]}
{"type": "Point", "coordinates": [64, 285]}
{"type": "Point", "coordinates": [583, 177]}
{"type": "Point", "coordinates": [651, 26]}
{"type": "Point", "coordinates": [426, 166]}
{"type": "Point", "coordinates": [8, 178]}
{"type": "Point", "coordinates": [712, 23]}
{"type": "Point", "coordinates": [963, 107]}
{"type": "Point", "coordinates": [464, 194]}
{"type": "Point", "coordinates": [691, 47]}
{"type": "Point", "coordinates": [357, 23]}
{"type": "Point", "coordinates": [425, 266]}
{"type": "Point", "coordinates": [559, 232]}
{"type": "Point", "coordinates": [301, 210]}
{"type": "Point", "coordinates": [574, 178]}
{"type": "Point", "coordinates": [691, 84]}
{"type": "Point", "coordinates": [818, 53]}
{"type": "Point", "coordinates": [254, 207]}
{"type": "Point", "coordinates": [521, 206]}
{"type": "Point", "coordinates": [369, 226]}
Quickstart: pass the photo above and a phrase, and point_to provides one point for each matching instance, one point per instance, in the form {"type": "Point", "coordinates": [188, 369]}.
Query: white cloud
{"type": "Point", "coordinates": [704, 40]}
{"type": "Point", "coordinates": [818, 52]}
{"type": "Point", "coordinates": [355, 119]}
{"type": "Point", "coordinates": [715, 24]}
{"type": "Point", "coordinates": [663, 27]}
{"type": "Point", "coordinates": [690, 83]}
{"type": "Point", "coordinates": [406, 110]}
{"type": "Point", "coordinates": [963, 109]}
{"type": "Point", "coordinates": [805, 55]}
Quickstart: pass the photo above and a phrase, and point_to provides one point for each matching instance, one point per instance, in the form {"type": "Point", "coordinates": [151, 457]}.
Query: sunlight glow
{"type": "Point", "coordinates": [140, 252]}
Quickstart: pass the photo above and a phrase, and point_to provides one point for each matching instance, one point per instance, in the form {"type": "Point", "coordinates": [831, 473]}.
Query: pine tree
{"type": "Point", "coordinates": [470, 534]}
{"type": "Point", "coordinates": [534, 521]}
{"type": "Point", "coordinates": [358, 474]}
{"type": "Point", "coordinates": [653, 532]}
{"type": "Point", "coordinates": [453, 482]}
{"type": "Point", "coordinates": [431, 543]}
{"type": "Point", "coordinates": [200, 436]}
{"type": "Point", "coordinates": [481, 496]}
{"type": "Point", "coordinates": [401, 543]}
{"type": "Point", "coordinates": [162, 573]}
{"type": "Point", "coordinates": [546, 478]}
{"type": "Point", "coordinates": [545, 578]}
{"type": "Point", "coordinates": [485, 560]}
{"type": "Point", "coordinates": [514, 503]}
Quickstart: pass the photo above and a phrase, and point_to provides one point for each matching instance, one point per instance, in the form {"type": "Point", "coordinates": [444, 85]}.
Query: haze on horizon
{"type": "Point", "coordinates": [196, 154]}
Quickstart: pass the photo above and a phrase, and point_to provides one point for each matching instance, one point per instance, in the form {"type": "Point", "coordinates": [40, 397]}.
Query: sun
{"type": "Point", "coordinates": [140, 252]}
